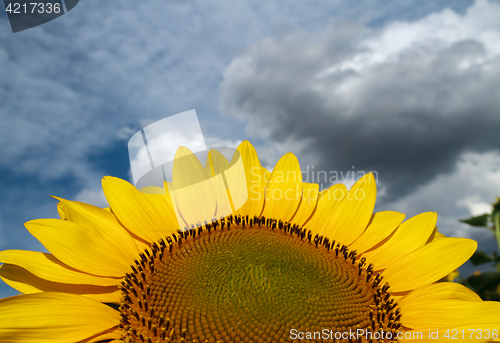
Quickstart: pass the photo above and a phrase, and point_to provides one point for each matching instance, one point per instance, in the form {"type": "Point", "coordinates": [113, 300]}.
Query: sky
{"type": "Point", "coordinates": [407, 89]}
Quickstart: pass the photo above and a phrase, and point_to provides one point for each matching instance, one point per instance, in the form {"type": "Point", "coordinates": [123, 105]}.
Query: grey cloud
{"type": "Point", "coordinates": [67, 88]}
{"type": "Point", "coordinates": [468, 191]}
{"type": "Point", "coordinates": [404, 104]}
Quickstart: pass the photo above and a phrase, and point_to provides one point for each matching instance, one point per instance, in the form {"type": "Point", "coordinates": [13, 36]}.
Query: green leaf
{"type": "Point", "coordinates": [480, 257]}
{"type": "Point", "coordinates": [484, 283]}
{"type": "Point", "coordinates": [481, 220]}
{"type": "Point", "coordinates": [496, 257]}
{"type": "Point", "coordinates": [496, 206]}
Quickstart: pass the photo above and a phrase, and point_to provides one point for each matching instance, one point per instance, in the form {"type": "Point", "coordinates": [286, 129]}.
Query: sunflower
{"type": "Point", "coordinates": [289, 263]}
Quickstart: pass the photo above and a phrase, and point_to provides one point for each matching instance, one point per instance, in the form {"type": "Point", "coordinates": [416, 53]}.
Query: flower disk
{"type": "Point", "coordinates": [238, 280]}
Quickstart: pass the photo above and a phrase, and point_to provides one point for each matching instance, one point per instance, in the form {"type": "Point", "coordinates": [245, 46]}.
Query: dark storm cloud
{"type": "Point", "coordinates": [69, 87]}
{"type": "Point", "coordinates": [405, 100]}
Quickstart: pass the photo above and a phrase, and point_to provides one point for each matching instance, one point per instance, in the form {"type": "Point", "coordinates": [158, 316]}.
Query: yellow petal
{"type": "Point", "coordinates": [102, 223]}
{"type": "Point", "coordinates": [267, 174]}
{"type": "Point", "coordinates": [153, 190]}
{"type": "Point", "coordinates": [438, 291]}
{"type": "Point", "coordinates": [141, 243]}
{"type": "Point", "coordinates": [216, 167]}
{"type": "Point", "coordinates": [133, 209]}
{"type": "Point", "coordinates": [27, 283]}
{"type": "Point", "coordinates": [47, 267]}
{"type": "Point", "coordinates": [435, 235]}
{"type": "Point", "coordinates": [60, 211]}
{"type": "Point", "coordinates": [451, 313]}
{"type": "Point", "coordinates": [411, 235]}
{"type": "Point", "coordinates": [381, 225]}
{"type": "Point", "coordinates": [284, 189]}
{"type": "Point", "coordinates": [328, 202]}
{"type": "Point", "coordinates": [53, 318]}
{"type": "Point", "coordinates": [216, 163]}
{"type": "Point", "coordinates": [428, 263]}
{"type": "Point", "coordinates": [438, 235]}
{"type": "Point", "coordinates": [165, 208]}
{"type": "Point", "coordinates": [79, 247]}
{"type": "Point", "coordinates": [163, 204]}
{"type": "Point", "coordinates": [192, 191]}
{"type": "Point", "coordinates": [113, 334]}
{"type": "Point", "coordinates": [236, 184]}
{"type": "Point", "coordinates": [254, 176]}
{"type": "Point", "coordinates": [451, 276]}
{"type": "Point", "coordinates": [310, 194]}
{"type": "Point", "coordinates": [354, 212]}
{"type": "Point", "coordinates": [224, 207]}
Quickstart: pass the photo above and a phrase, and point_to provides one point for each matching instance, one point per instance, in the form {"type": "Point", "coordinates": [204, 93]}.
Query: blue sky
{"type": "Point", "coordinates": [409, 89]}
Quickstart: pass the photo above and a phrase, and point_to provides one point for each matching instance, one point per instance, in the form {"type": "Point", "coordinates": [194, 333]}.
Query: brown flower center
{"type": "Point", "coordinates": [261, 280]}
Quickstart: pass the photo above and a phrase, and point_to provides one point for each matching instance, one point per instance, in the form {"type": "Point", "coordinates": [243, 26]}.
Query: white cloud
{"type": "Point", "coordinates": [468, 190]}
{"type": "Point", "coordinates": [213, 141]}
{"type": "Point", "coordinates": [68, 96]}
{"type": "Point", "coordinates": [475, 204]}
{"type": "Point", "coordinates": [480, 23]}
{"type": "Point", "coordinates": [70, 86]}
{"type": "Point", "coordinates": [415, 101]}
{"type": "Point", "coordinates": [404, 99]}
{"type": "Point", "coordinates": [93, 197]}
{"type": "Point", "coordinates": [125, 132]}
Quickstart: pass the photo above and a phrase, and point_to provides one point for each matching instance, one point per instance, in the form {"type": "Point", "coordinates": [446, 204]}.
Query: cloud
{"type": "Point", "coordinates": [84, 81]}
{"type": "Point", "coordinates": [475, 204]}
{"type": "Point", "coordinates": [406, 99]}
{"type": "Point", "coordinates": [468, 190]}
{"type": "Point", "coordinates": [71, 87]}
{"type": "Point", "coordinates": [93, 197]}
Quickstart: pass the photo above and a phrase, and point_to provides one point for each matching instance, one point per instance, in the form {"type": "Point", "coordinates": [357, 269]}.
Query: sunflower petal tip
{"type": "Point", "coordinates": [245, 143]}
{"type": "Point", "coordinates": [109, 178]}
{"type": "Point", "coordinates": [431, 215]}
{"type": "Point", "coordinates": [473, 244]}
{"type": "Point", "coordinates": [468, 244]}
{"type": "Point", "coordinates": [111, 181]}
{"type": "Point", "coordinates": [105, 180]}
{"type": "Point", "coordinates": [182, 151]}
{"type": "Point", "coordinates": [246, 147]}
{"type": "Point", "coordinates": [369, 177]}
{"type": "Point", "coordinates": [290, 155]}
{"type": "Point", "coordinates": [31, 223]}
{"type": "Point", "coordinates": [400, 215]}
